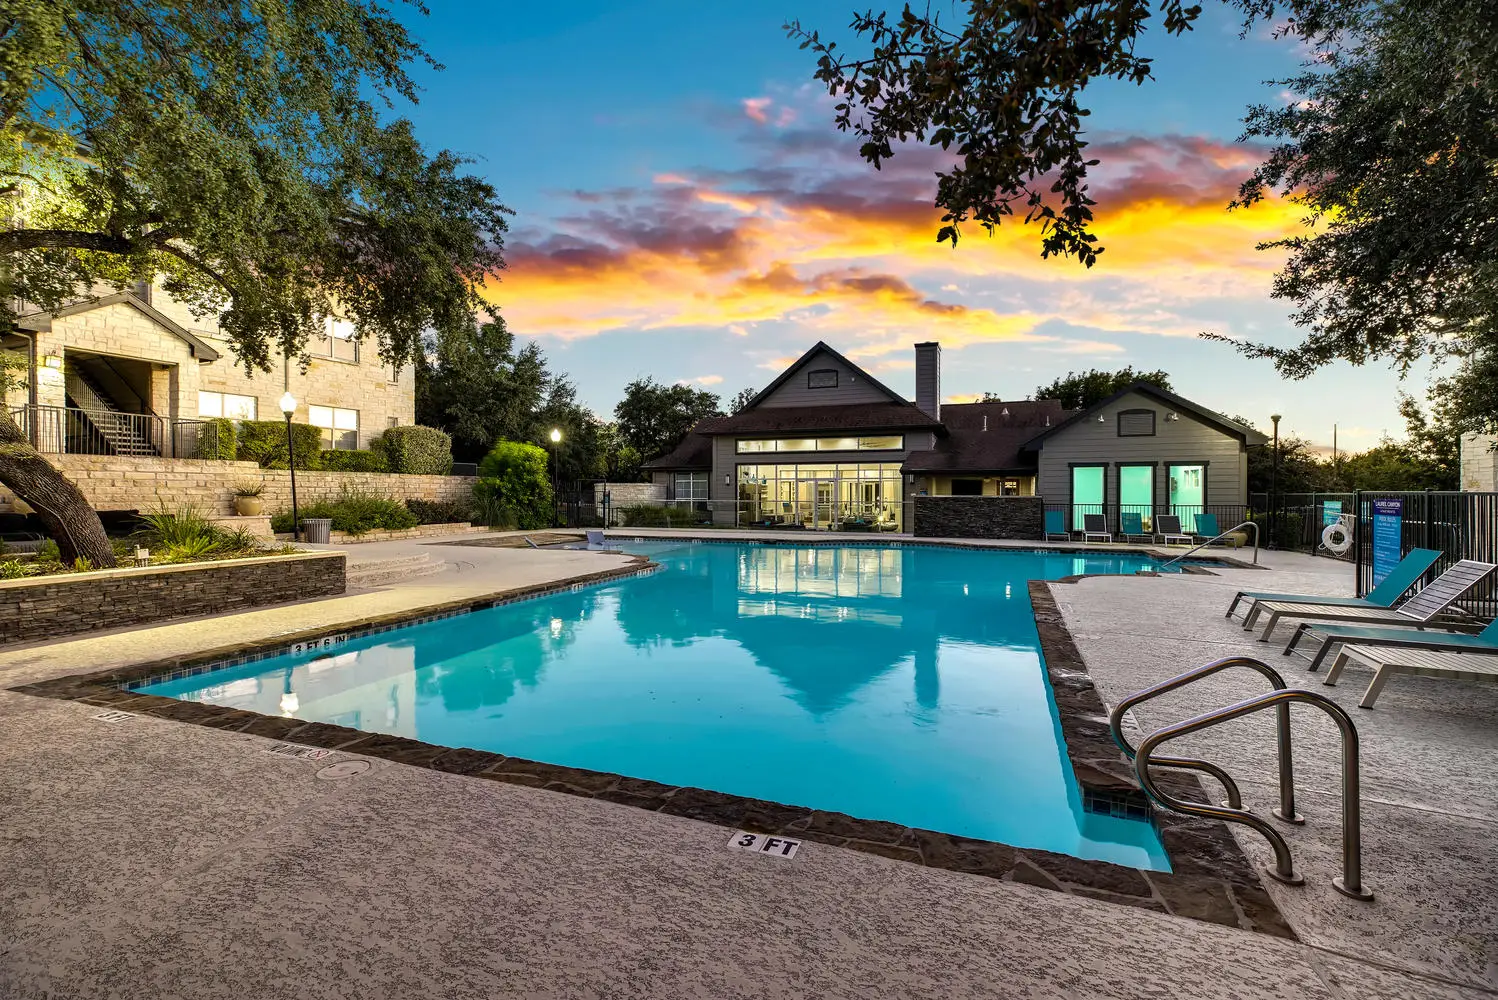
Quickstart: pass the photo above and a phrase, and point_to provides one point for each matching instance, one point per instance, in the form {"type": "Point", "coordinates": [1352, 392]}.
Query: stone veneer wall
{"type": "Point", "coordinates": [980, 517]}
{"type": "Point", "coordinates": [1479, 462]}
{"type": "Point", "coordinates": [71, 603]}
{"type": "Point", "coordinates": [112, 483]}
{"type": "Point", "coordinates": [627, 494]}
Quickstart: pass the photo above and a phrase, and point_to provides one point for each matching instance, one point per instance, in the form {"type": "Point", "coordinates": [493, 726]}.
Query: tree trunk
{"type": "Point", "coordinates": [57, 501]}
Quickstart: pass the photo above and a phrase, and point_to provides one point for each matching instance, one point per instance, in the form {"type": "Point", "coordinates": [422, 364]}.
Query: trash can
{"type": "Point", "coordinates": [317, 530]}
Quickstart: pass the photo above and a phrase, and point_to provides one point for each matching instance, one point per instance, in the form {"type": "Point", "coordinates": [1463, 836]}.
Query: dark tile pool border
{"type": "Point", "coordinates": [1212, 880]}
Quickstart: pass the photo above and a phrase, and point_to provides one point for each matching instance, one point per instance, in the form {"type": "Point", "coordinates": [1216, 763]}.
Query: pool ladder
{"type": "Point", "coordinates": [1350, 882]}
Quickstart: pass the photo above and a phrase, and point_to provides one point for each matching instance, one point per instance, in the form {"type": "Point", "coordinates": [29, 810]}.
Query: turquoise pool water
{"type": "Point", "coordinates": [901, 684]}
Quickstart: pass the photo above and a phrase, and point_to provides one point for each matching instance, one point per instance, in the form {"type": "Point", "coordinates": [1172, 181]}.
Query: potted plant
{"type": "Point", "coordinates": [247, 502]}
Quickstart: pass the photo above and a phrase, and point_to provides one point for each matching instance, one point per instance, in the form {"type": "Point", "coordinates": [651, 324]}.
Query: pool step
{"type": "Point", "coordinates": [379, 572]}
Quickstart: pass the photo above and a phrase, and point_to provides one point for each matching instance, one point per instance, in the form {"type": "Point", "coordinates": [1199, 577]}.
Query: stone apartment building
{"type": "Point", "coordinates": [1479, 457]}
{"type": "Point", "coordinates": [133, 372]}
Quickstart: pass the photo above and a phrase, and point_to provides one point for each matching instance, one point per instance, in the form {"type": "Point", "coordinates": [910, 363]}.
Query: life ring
{"type": "Point", "coordinates": [1336, 538]}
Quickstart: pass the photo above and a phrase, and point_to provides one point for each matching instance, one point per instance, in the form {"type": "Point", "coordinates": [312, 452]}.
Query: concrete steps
{"type": "Point", "coordinates": [366, 573]}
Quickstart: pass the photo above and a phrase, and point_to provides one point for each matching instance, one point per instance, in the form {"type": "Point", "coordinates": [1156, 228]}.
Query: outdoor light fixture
{"type": "Point", "coordinates": [1102, 419]}
{"type": "Point", "coordinates": [52, 361]}
{"type": "Point", "coordinates": [727, 479]}
{"type": "Point", "coordinates": [287, 402]}
{"type": "Point", "coordinates": [1172, 416]}
{"type": "Point", "coordinates": [556, 439]}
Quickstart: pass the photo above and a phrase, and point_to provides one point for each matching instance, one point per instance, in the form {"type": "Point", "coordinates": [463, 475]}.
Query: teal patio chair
{"type": "Point", "coordinates": [1485, 641]}
{"type": "Point", "coordinates": [1131, 526]}
{"type": "Point", "coordinates": [1055, 524]}
{"type": "Point", "coordinates": [1400, 579]}
{"type": "Point", "coordinates": [1419, 612]}
{"type": "Point", "coordinates": [1206, 526]}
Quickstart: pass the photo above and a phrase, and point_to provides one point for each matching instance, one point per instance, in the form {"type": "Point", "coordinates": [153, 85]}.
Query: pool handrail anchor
{"type": "Point", "coordinates": [1218, 538]}
{"type": "Point", "coordinates": [1350, 882]}
{"type": "Point", "coordinates": [1286, 809]}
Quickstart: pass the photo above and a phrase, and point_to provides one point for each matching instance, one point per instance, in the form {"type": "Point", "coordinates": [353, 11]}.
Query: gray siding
{"type": "Point", "coordinates": [853, 386]}
{"type": "Point", "coordinates": [1186, 441]}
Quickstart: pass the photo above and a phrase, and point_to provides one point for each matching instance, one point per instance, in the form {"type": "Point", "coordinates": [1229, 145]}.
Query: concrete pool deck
{"type": "Point", "coordinates": [152, 858]}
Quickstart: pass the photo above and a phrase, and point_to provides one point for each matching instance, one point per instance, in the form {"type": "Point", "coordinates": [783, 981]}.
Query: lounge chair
{"type": "Point", "coordinates": [1206, 527]}
{"type": "Point", "coordinates": [1055, 524]}
{"type": "Point", "coordinates": [1400, 579]}
{"type": "Point", "coordinates": [1131, 526]}
{"type": "Point", "coordinates": [1417, 612]}
{"type": "Point", "coordinates": [595, 538]}
{"type": "Point", "coordinates": [1095, 526]}
{"type": "Point", "coordinates": [1390, 660]}
{"type": "Point", "coordinates": [1168, 529]}
{"type": "Point", "coordinates": [1446, 638]}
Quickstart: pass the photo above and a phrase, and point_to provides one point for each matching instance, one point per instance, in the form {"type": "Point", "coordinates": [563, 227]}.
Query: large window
{"type": "Point", "coordinates": [337, 343]}
{"type": "Point", "coordinates": [831, 495]}
{"type": "Point", "coordinates": [1136, 490]}
{"type": "Point", "coordinates": [690, 486]}
{"type": "Point", "coordinates": [226, 404]}
{"type": "Point", "coordinates": [880, 442]}
{"type": "Point", "coordinates": [340, 427]}
{"type": "Point", "coordinates": [1086, 493]}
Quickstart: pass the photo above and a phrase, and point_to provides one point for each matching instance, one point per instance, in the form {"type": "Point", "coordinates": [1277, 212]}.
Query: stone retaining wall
{"type": "Point", "coordinates": [980, 517]}
{"type": "Point", "coordinates": [382, 535]}
{"type": "Point", "coordinates": [50, 607]}
{"type": "Point", "coordinates": [112, 483]}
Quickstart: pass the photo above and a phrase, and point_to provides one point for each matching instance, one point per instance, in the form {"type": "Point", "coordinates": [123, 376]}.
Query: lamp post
{"type": "Point", "coordinates": [288, 407]}
{"type": "Point", "coordinates": [556, 439]}
{"type": "Point", "coordinates": [1274, 479]}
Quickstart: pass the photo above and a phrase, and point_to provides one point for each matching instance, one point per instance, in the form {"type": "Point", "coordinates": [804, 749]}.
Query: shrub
{"type": "Point", "coordinates": [248, 488]}
{"type": "Point", "coordinates": [354, 511]}
{"type": "Point", "coordinates": [48, 552]}
{"type": "Point", "coordinates": [512, 490]}
{"type": "Point", "coordinates": [344, 460]}
{"type": "Point", "coordinates": [416, 450]}
{"type": "Point", "coordinates": [185, 526]}
{"type": "Point", "coordinates": [441, 511]}
{"type": "Point", "coordinates": [653, 516]}
{"type": "Point", "coordinates": [218, 439]}
{"type": "Point", "coordinates": [14, 569]}
{"type": "Point", "coordinates": [264, 441]}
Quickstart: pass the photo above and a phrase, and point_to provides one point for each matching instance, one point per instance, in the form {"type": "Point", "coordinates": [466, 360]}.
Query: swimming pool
{"type": "Point", "coordinates": [890, 683]}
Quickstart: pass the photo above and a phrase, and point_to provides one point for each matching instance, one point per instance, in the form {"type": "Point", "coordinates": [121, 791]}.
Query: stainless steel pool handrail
{"type": "Point", "coordinates": [1286, 810]}
{"type": "Point", "coordinates": [1218, 538]}
{"type": "Point", "coordinates": [1350, 883]}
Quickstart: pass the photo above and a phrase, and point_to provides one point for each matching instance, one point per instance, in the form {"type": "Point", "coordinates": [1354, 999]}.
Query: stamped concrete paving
{"type": "Point", "coordinates": [1429, 752]}
{"type": "Point", "coordinates": [153, 859]}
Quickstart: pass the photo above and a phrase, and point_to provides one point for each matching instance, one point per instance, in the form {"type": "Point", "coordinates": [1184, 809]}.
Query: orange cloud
{"type": "Point", "coordinates": [847, 253]}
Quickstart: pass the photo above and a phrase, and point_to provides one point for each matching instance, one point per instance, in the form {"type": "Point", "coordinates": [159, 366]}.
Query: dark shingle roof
{"type": "Point", "coordinates": [1000, 448]}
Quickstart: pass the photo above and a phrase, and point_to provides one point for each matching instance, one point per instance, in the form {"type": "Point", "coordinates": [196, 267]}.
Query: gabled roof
{"type": "Point", "coordinates": [1245, 434]}
{"type": "Point", "coordinates": [41, 322]}
{"type": "Point", "coordinates": [893, 416]}
{"type": "Point", "coordinates": [996, 444]}
{"type": "Point", "coordinates": [818, 348]}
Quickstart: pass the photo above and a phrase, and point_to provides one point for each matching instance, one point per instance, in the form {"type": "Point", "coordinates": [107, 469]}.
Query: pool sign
{"type": "Point", "coordinates": [1388, 536]}
{"type": "Point", "coordinates": [764, 843]}
{"type": "Point", "coordinates": [1331, 512]}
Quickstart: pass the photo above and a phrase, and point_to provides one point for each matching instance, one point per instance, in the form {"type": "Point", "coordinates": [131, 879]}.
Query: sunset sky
{"type": "Point", "coordinates": [685, 209]}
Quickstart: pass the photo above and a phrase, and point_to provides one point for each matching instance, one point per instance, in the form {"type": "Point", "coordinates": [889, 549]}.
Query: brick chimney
{"type": "Point", "coordinates": [928, 378]}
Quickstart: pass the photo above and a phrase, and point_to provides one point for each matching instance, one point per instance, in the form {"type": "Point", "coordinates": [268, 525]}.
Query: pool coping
{"type": "Point", "coordinates": [1211, 881]}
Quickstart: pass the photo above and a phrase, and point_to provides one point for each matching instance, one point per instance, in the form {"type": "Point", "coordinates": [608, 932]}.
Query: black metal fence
{"type": "Point", "coordinates": [1458, 525]}
{"type": "Point", "coordinates": [1298, 520]}
{"type": "Point", "coordinates": [1120, 517]}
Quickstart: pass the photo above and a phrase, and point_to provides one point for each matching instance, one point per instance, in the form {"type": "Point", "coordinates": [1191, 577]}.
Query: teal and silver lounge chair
{"type": "Point", "coordinates": [1386, 661]}
{"type": "Point", "coordinates": [1055, 524]}
{"type": "Point", "coordinates": [1206, 526]}
{"type": "Point", "coordinates": [1131, 526]}
{"type": "Point", "coordinates": [1400, 579]}
{"type": "Point", "coordinates": [1419, 611]}
{"type": "Point", "coordinates": [1485, 641]}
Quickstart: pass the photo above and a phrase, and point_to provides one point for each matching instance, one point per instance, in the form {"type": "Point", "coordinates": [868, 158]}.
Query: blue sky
{"type": "Point", "coordinates": [686, 210]}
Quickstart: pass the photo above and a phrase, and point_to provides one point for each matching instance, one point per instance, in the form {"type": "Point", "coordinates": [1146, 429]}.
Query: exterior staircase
{"type": "Point", "coordinates": [367, 573]}
{"type": "Point", "coordinates": [123, 433]}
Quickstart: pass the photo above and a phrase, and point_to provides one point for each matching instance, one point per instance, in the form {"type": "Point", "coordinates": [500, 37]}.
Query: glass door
{"type": "Point", "coordinates": [1188, 493]}
{"type": "Point", "coordinates": [1136, 495]}
{"type": "Point", "coordinates": [1086, 493]}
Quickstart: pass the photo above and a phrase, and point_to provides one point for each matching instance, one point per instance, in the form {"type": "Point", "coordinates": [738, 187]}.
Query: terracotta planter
{"type": "Point", "coordinates": [248, 506]}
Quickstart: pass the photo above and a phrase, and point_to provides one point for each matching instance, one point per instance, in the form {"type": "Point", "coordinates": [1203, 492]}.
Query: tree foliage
{"type": "Point", "coordinates": [474, 383]}
{"type": "Point", "coordinates": [513, 489]}
{"type": "Point", "coordinates": [1077, 391]}
{"type": "Point", "coordinates": [655, 418]}
{"type": "Point", "coordinates": [742, 399]}
{"type": "Point", "coordinates": [1390, 146]}
{"type": "Point", "coordinates": [235, 150]}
